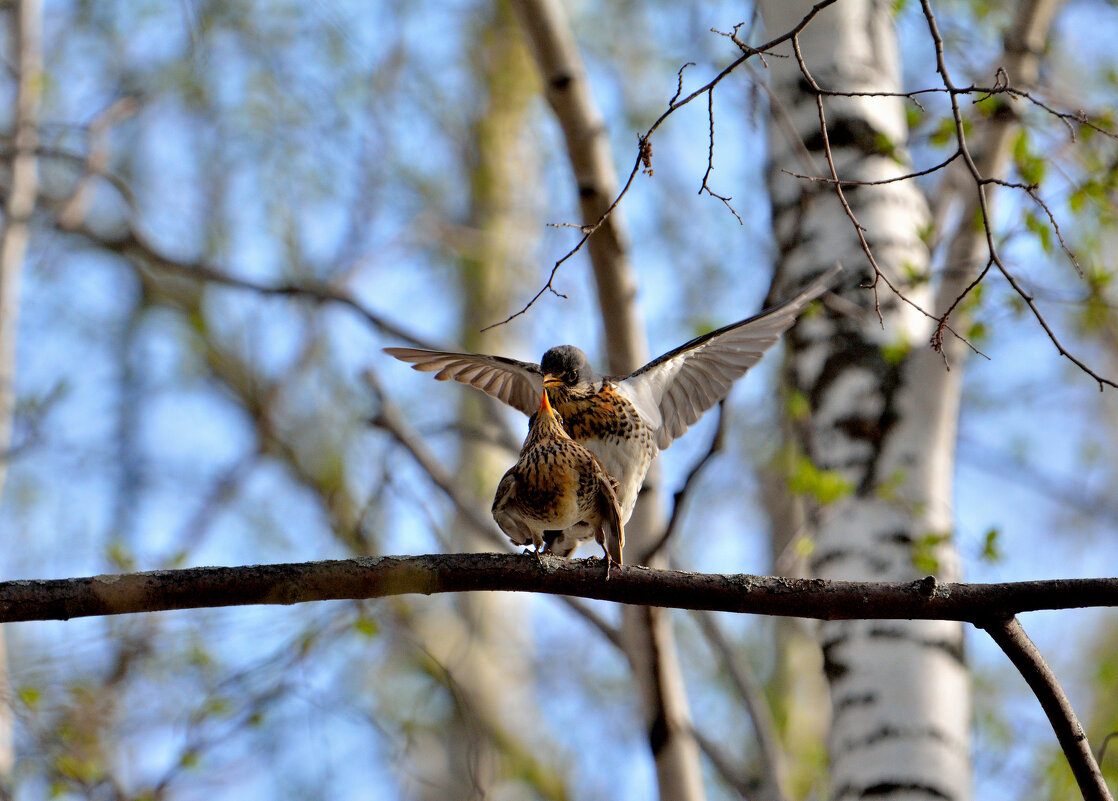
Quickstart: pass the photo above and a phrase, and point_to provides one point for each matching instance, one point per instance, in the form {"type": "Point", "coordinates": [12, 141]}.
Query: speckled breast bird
{"type": "Point", "coordinates": [624, 420]}
{"type": "Point", "coordinates": [557, 485]}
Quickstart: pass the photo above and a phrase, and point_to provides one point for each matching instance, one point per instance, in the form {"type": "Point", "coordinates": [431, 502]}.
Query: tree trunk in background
{"type": "Point", "coordinates": [27, 46]}
{"type": "Point", "coordinates": [481, 642]}
{"type": "Point", "coordinates": [899, 690]}
{"type": "Point", "coordinates": [647, 632]}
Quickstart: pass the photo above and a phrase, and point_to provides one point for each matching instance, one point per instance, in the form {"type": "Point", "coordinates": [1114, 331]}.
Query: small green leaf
{"type": "Point", "coordinates": [30, 696]}
{"type": "Point", "coordinates": [366, 627]}
{"type": "Point", "coordinates": [896, 351]}
{"type": "Point", "coordinates": [991, 552]}
{"type": "Point", "coordinates": [1042, 231]}
{"type": "Point", "coordinates": [976, 333]}
{"type": "Point", "coordinates": [825, 486]}
{"type": "Point", "coordinates": [924, 557]}
{"type": "Point", "coordinates": [887, 489]}
{"type": "Point", "coordinates": [797, 406]}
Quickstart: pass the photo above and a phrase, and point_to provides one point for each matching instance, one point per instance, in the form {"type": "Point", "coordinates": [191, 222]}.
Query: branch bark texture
{"type": "Point", "coordinates": [380, 577]}
{"type": "Point", "coordinates": [1011, 638]}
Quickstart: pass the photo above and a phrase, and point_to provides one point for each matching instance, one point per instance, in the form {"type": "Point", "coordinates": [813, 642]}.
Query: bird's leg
{"type": "Point", "coordinates": [538, 557]}
{"type": "Point", "coordinates": [608, 560]}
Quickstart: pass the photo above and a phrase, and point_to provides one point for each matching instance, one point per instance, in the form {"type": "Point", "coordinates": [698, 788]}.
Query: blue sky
{"type": "Point", "coordinates": [286, 172]}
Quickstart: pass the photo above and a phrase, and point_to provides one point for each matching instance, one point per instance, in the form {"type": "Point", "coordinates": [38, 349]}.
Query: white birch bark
{"type": "Point", "coordinates": [647, 632]}
{"type": "Point", "coordinates": [13, 247]}
{"type": "Point", "coordinates": [899, 690]}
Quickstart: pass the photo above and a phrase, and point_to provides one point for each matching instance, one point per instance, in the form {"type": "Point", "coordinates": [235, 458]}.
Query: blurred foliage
{"type": "Point", "coordinates": [165, 422]}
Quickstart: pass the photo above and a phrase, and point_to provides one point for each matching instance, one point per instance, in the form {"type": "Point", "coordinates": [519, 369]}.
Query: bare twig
{"type": "Point", "coordinates": [980, 186]}
{"type": "Point", "coordinates": [603, 626]}
{"type": "Point", "coordinates": [859, 229]}
{"type": "Point", "coordinates": [135, 245]}
{"type": "Point", "coordinates": [680, 497]}
{"type": "Point", "coordinates": [643, 141]}
{"type": "Point", "coordinates": [721, 763]}
{"type": "Point", "coordinates": [895, 179]}
{"type": "Point", "coordinates": [390, 419]}
{"type": "Point", "coordinates": [752, 694]}
{"type": "Point", "coordinates": [1105, 742]}
{"type": "Point", "coordinates": [1012, 639]}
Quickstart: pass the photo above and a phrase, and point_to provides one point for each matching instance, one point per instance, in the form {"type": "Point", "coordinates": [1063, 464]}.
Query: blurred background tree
{"type": "Point", "coordinates": [238, 204]}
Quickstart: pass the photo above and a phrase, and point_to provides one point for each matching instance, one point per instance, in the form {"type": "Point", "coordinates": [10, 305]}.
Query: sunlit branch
{"type": "Point", "coordinates": [379, 577]}
{"type": "Point", "coordinates": [1012, 639]}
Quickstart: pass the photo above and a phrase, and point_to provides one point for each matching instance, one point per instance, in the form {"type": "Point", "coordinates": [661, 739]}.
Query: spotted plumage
{"type": "Point", "coordinates": [624, 421]}
{"type": "Point", "coordinates": [557, 484]}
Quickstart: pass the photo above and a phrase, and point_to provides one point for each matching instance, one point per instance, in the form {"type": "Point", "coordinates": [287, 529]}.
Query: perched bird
{"type": "Point", "coordinates": [555, 485]}
{"type": "Point", "coordinates": [624, 421]}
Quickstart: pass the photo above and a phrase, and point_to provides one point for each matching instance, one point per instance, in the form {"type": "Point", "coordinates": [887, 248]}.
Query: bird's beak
{"type": "Point", "coordinates": [552, 380]}
{"type": "Point", "coordinates": [545, 404]}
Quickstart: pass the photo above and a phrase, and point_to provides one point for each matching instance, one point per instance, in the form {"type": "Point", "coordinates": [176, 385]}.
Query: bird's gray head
{"type": "Point", "coordinates": [568, 365]}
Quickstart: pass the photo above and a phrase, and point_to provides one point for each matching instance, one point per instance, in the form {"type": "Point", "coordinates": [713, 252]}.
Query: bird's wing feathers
{"type": "Point", "coordinates": [519, 384]}
{"type": "Point", "coordinates": [612, 527]}
{"type": "Point", "coordinates": [673, 391]}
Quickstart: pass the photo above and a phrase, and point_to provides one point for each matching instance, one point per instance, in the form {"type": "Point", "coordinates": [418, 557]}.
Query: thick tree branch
{"type": "Point", "coordinates": [379, 577]}
{"type": "Point", "coordinates": [1011, 638]}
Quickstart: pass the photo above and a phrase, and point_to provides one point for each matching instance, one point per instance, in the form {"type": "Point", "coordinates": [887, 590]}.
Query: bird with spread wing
{"type": "Point", "coordinates": [623, 420]}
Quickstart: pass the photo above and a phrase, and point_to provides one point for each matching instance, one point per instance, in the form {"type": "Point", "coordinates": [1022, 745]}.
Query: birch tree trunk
{"type": "Point", "coordinates": [899, 690]}
{"type": "Point", "coordinates": [647, 632]}
{"type": "Point", "coordinates": [27, 40]}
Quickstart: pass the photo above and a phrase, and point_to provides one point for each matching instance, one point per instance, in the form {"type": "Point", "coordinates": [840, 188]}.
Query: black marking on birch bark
{"type": "Point", "coordinates": [891, 733]}
{"type": "Point", "coordinates": [952, 646]}
{"type": "Point", "coordinates": [587, 191]}
{"type": "Point", "coordinates": [561, 81]}
{"type": "Point", "coordinates": [833, 669]}
{"type": "Point", "coordinates": [897, 787]}
{"type": "Point", "coordinates": [898, 537]}
{"type": "Point", "coordinates": [852, 132]}
{"type": "Point", "coordinates": [846, 703]}
{"type": "Point", "coordinates": [877, 564]}
{"type": "Point", "coordinates": [817, 564]}
{"type": "Point", "coordinates": [798, 207]}
{"type": "Point", "coordinates": [849, 351]}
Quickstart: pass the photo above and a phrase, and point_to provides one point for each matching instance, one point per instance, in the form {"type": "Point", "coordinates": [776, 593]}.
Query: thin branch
{"type": "Point", "coordinates": [680, 497]}
{"type": "Point", "coordinates": [1012, 639]}
{"type": "Point", "coordinates": [859, 229]}
{"type": "Point", "coordinates": [386, 576]}
{"type": "Point", "coordinates": [1105, 742]}
{"type": "Point", "coordinates": [724, 767]}
{"type": "Point", "coordinates": [752, 694]}
{"type": "Point", "coordinates": [135, 245]}
{"type": "Point", "coordinates": [610, 632]}
{"type": "Point", "coordinates": [390, 419]}
{"type": "Point", "coordinates": [881, 182]}
{"type": "Point", "coordinates": [980, 187]}
{"type": "Point", "coordinates": [643, 144]}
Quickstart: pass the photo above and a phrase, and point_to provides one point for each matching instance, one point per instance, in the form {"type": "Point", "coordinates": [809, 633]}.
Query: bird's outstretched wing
{"type": "Point", "coordinates": [673, 391]}
{"type": "Point", "coordinates": [519, 384]}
